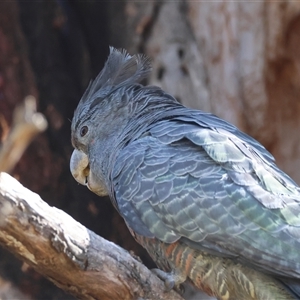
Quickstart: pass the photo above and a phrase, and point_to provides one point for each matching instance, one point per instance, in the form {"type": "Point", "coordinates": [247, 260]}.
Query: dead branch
{"type": "Point", "coordinates": [67, 253]}
{"type": "Point", "coordinates": [27, 123]}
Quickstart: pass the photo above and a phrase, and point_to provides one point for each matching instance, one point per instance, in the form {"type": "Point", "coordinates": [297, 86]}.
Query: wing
{"type": "Point", "coordinates": [214, 188]}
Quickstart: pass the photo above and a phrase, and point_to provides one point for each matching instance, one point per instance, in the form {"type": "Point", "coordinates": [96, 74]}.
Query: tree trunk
{"type": "Point", "coordinates": [238, 60]}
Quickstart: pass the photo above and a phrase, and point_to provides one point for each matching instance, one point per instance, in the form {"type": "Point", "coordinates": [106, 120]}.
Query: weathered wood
{"type": "Point", "coordinates": [67, 253]}
{"type": "Point", "coordinates": [27, 123]}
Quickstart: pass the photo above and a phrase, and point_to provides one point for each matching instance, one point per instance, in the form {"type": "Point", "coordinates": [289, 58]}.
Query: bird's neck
{"type": "Point", "coordinates": [151, 106]}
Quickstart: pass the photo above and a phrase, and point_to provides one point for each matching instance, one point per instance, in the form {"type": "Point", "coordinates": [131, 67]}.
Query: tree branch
{"type": "Point", "coordinates": [27, 123]}
{"type": "Point", "coordinates": [67, 253]}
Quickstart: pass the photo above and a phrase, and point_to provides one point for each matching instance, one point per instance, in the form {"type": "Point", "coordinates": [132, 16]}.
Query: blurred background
{"type": "Point", "coordinates": [237, 59]}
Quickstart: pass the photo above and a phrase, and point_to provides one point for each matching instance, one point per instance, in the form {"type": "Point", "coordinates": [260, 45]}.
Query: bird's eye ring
{"type": "Point", "coordinates": [84, 130]}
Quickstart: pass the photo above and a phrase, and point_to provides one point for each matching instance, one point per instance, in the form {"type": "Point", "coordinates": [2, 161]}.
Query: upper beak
{"type": "Point", "coordinates": [80, 169]}
{"type": "Point", "coordinates": [79, 166]}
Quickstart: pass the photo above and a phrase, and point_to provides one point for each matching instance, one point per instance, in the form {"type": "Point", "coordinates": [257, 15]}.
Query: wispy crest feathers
{"type": "Point", "coordinates": [120, 69]}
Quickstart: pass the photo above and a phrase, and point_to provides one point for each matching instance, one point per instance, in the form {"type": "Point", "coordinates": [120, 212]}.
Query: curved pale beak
{"type": "Point", "coordinates": [80, 169]}
{"type": "Point", "coordinates": [79, 166]}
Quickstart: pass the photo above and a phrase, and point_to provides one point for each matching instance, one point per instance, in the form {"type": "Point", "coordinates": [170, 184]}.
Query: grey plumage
{"type": "Point", "coordinates": [178, 174]}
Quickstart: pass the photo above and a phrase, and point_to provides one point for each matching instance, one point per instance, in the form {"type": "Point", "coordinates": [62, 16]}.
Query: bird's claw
{"type": "Point", "coordinates": [171, 280]}
{"type": "Point", "coordinates": [167, 278]}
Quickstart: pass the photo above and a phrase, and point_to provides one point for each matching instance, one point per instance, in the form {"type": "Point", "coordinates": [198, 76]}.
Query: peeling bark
{"type": "Point", "coordinates": [67, 253]}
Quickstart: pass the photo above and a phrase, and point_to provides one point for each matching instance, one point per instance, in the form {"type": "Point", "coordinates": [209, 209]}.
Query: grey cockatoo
{"type": "Point", "coordinates": [206, 200]}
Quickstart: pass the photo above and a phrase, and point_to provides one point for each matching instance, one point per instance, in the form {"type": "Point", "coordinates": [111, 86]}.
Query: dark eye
{"type": "Point", "coordinates": [84, 130]}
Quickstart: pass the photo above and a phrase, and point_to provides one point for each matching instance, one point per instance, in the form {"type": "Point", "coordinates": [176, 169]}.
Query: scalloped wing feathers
{"type": "Point", "coordinates": [214, 190]}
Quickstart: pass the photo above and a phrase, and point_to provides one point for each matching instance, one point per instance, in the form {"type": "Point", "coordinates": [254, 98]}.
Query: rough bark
{"type": "Point", "coordinates": [252, 67]}
{"type": "Point", "coordinates": [67, 253]}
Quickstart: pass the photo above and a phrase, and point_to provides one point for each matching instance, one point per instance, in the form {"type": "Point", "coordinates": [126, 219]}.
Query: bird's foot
{"type": "Point", "coordinates": [172, 280]}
